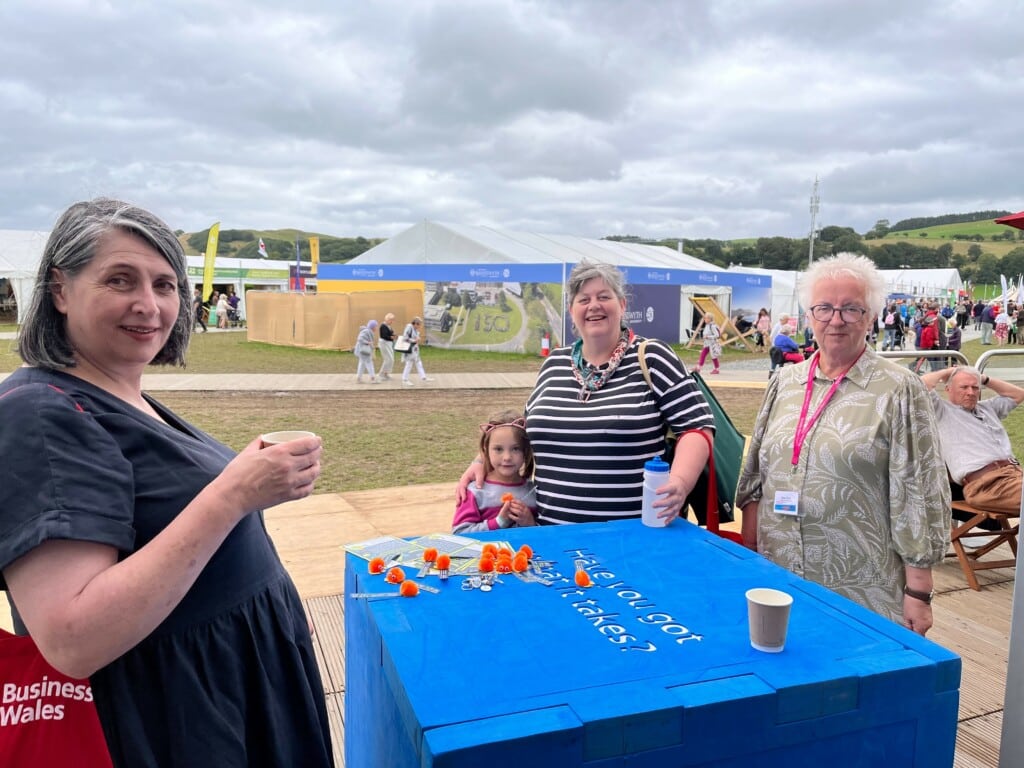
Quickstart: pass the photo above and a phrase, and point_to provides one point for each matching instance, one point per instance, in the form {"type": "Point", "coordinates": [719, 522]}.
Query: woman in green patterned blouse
{"type": "Point", "coordinates": [843, 483]}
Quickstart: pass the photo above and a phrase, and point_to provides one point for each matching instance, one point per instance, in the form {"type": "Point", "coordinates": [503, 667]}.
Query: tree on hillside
{"type": "Point", "coordinates": [986, 269]}
{"type": "Point", "coordinates": [1013, 262]}
{"type": "Point", "coordinates": [945, 254]}
{"type": "Point", "coordinates": [881, 229]}
{"type": "Point", "coordinates": [775, 252]}
{"type": "Point", "coordinates": [743, 254]}
{"type": "Point", "coordinates": [974, 252]}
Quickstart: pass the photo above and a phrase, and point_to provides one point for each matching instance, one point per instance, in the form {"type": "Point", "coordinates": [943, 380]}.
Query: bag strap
{"type": "Point", "coordinates": [712, 511]}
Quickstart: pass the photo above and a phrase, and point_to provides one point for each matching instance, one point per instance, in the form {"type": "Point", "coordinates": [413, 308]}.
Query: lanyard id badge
{"type": "Point", "coordinates": [787, 503]}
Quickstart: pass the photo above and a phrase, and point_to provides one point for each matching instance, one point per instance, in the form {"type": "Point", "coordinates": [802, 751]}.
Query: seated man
{"type": "Point", "coordinates": [975, 447]}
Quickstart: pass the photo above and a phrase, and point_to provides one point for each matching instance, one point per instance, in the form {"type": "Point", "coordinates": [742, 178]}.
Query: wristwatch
{"type": "Point", "coordinates": [924, 597]}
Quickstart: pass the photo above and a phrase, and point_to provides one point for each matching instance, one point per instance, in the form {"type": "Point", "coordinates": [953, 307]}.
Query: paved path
{"type": "Point", "coordinates": [749, 372]}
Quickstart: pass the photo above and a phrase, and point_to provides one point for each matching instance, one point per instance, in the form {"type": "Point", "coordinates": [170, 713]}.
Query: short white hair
{"type": "Point", "coordinates": [841, 265]}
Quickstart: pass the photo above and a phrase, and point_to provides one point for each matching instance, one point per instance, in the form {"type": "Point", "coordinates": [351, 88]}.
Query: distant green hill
{"type": "Point", "coordinates": [986, 230]}
{"type": "Point", "coordinates": [279, 243]}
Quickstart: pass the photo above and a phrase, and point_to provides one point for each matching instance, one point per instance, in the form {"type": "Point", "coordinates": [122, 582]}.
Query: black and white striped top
{"type": "Point", "coordinates": [590, 455]}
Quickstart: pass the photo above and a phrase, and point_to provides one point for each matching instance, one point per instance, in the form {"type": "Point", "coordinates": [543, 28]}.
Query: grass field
{"type": "Point", "coordinates": [386, 438]}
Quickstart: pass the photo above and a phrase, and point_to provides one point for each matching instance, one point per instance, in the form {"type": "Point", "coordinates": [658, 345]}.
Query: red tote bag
{"type": "Point", "coordinates": [47, 719]}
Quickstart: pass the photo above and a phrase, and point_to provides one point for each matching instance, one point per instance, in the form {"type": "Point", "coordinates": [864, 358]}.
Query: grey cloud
{"type": "Point", "coordinates": [590, 117]}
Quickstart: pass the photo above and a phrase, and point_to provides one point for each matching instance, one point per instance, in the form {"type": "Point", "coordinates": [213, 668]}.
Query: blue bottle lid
{"type": "Point", "coordinates": [657, 464]}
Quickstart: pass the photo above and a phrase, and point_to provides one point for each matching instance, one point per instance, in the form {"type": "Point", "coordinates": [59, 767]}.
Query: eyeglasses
{"type": "Point", "coordinates": [824, 313]}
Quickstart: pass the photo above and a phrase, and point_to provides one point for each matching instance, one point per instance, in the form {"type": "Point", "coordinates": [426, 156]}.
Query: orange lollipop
{"type": "Point", "coordinates": [491, 549]}
{"type": "Point", "coordinates": [503, 566]}
{"type": "Point", "coordinates": [409, 588]}
{"type": "Point", "coordinates": [506, 498]}
{"type": "Point", "coordinates": [527, 550]}
{"type": "Point", "coordinates": [429, 555]}
{"type": "Point", "coordinates": [395, 576]}
{"type": "Point", "coordinates": [520, 563]}
{"type": "Point", "coordinates": [583, 579]}
{"type": "Point", "coordinates": [443, 562]}
{"type": "Point", "coordinates": [377, 565]}
{"type": "Point", "coordinates": [486, 564]}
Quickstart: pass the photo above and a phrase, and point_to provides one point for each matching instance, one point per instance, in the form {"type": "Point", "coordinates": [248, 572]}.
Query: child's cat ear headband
{"type": "Point", "coordinates": [519, 422]}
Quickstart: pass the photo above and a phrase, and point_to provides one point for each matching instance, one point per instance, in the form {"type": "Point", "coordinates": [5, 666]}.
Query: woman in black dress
{"type": "Point", "coordinates": [132, 545]}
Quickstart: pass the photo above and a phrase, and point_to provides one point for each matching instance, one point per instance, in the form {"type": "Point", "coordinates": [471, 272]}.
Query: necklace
{"type": "Point", "coordinates": [592, 377]}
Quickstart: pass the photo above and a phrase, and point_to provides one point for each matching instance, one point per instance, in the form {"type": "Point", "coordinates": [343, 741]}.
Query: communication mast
{"type": "Point", "coordinates": [815, 204]}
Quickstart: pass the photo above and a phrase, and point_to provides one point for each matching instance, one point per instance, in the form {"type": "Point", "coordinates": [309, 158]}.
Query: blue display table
{"type": "Point", "coordinates": [651, 666]}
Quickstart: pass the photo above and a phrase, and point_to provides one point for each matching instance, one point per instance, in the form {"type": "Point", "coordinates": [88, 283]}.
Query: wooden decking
{"type": "Point", "coordinates": [310, 535]}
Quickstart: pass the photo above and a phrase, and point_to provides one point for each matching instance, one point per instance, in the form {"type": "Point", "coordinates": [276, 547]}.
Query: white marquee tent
{"type": "Point", "coordinates": [924, 283]}
{"type": "Point", "coordinates": [20, 251]}
{"type": "Point", "coordinates": [431, 242]}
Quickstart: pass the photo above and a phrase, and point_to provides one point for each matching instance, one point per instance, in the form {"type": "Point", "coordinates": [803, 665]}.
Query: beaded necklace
{"type": "Point", "coordinates": [592, 377]}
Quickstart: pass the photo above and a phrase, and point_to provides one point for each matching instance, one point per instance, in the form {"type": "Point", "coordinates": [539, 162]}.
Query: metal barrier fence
{"type": "Point", "coordinates": [1005, 364]}
{"type": "Point", "coordinates": [921, 362]}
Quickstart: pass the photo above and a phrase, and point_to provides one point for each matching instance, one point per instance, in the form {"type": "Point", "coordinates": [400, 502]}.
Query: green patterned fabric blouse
{"type": "Point", "coordinates": [873, 489]}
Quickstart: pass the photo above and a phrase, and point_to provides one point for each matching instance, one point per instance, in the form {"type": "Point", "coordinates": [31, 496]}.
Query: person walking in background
{"type": "Point", "coordinates": [891, 324]}
{"type": "Point", "coordinates": [1002, 322]}
{"type": "Point", "coordinates": [234, 315]}
{"type": "Point", "coordinates": [222, 311]}
{"type": "Point", "coordinates": [988, 323]}
{"type": "Point", "coordinates": [132, 544]}
{"type": "Point", "coordinates": [364, 352]}
{"type": "Point", "coordinates": [844, 482]}
{"type": "Point", "coordinates": [979, 307]}
{"type": "Point", "coordinates": [954, 336]}
{"type": "Point", "coordinates": [211, 309]}
{"type": "Point", "coordinates": [198, 310]}
{"type": "Point", "coordinates": [412, 357]}
{"type": "Point", "coordinates": [508, 497]}
{"type": "Point", "coordinates": [764, 327]}
{"type": "Point", "coordinates": [777, 327]}
{"type": "Point", "coordinates": [386, 345]}
{"type": "Point", "coordinates": [963, 312]}
{"type": "Point", "coordinates": [712, 343]}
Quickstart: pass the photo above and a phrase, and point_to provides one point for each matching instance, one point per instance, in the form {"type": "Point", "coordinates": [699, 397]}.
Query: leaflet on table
{"type": "Point", "coordinates": [395, 551]}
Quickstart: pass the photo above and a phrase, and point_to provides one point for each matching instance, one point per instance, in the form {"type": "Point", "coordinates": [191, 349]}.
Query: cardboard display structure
{"type": "Point", "coordinates": [324, 321]}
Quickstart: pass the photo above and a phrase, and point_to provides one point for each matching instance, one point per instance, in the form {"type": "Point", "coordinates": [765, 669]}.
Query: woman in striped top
{"type": "Point", "coordinates": [593, 421]}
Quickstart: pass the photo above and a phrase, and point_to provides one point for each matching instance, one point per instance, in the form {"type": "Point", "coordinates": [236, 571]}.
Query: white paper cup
{"type": "Point", "coordinates": [274, 438]}
{"type": "Point", "coordinates": [768, 616]}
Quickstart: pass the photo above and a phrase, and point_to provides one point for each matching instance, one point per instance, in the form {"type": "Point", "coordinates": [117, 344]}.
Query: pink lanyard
{"type": "Point", "coordinates": [803, 426]}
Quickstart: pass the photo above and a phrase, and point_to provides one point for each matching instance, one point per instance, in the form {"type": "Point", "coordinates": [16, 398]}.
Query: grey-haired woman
{"type": "Point", "coordinates": [593, 420]}
{"type": "Point", "coordinates": [132, 544]}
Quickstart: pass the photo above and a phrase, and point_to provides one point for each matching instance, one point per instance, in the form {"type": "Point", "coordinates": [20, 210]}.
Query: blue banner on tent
{"type": "Point", "coordinates": [533, 273]}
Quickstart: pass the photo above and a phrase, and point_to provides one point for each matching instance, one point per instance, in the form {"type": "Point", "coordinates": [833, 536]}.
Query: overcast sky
{"type": "Point", "coordinates": [587, 117]}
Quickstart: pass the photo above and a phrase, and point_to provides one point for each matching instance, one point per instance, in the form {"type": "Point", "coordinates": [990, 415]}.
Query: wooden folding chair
{"type": "Point", "coordinates": [971, 559]}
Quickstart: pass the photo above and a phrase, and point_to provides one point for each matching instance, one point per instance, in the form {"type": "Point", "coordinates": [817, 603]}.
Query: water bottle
{"type": "Point", "coordinates": [655, 476]}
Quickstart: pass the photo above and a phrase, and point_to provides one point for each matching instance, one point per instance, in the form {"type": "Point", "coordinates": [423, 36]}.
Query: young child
{"type": "Point", "coordinates": [712, 343]}
{"type": "Point", "coordinates": [508, 497]}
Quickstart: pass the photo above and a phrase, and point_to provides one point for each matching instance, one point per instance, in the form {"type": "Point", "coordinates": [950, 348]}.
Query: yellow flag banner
{"type": "Point", "coordinates": [314, 253]}
{"type": "Point", "coordinates": [211, 259]}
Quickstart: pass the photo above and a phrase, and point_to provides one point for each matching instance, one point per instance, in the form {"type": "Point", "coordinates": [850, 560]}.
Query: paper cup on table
{"type": "Point", "coordinates": [274, 438]}
{"type": "Point", "coordinates": [768, 615]}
